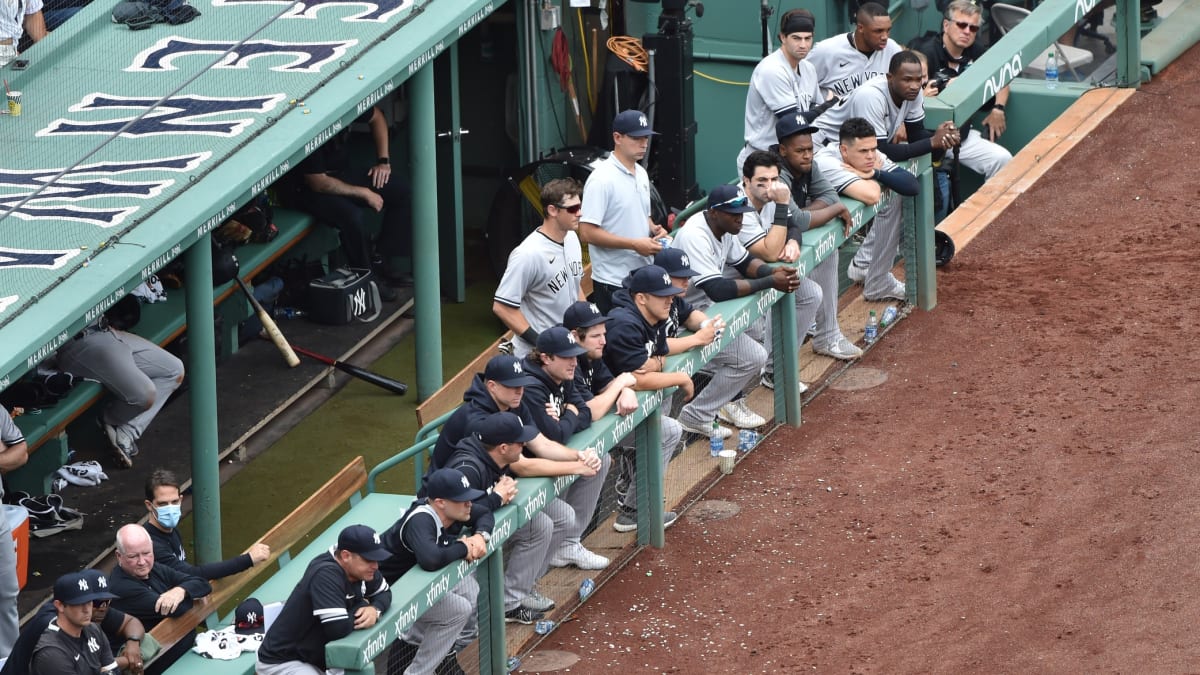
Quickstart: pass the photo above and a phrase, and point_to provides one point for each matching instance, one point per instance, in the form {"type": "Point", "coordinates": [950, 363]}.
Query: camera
{"type": "Point", "coordinates": [940, 82]}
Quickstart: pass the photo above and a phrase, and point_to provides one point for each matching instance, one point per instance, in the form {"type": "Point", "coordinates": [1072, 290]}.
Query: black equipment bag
{"type": "Point", "coordinates": [344, 295]}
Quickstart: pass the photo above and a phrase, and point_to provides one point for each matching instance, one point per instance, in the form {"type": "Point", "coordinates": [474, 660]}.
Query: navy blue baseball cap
{"type": "Point", "coordinates": [364, 541]}
{"type": "Point", "coordinates": [729, 198]}
{"type": "Point", "coordinates": [675, 262]}
{"type": "Point", "coordinates": [249, 617]}
{"type": "Point", "coordinates": [508, 371]}
{"type": "Point", "coordinates": [74, 588]}
{"type": "Point", "coordinates": [583, 314]}
{"type": "Point", "coordinates": [654, 280]}
{"type": "Point", "coordinates": [790, 125]}
{"type": "Point", "coordinates": [503, 427]}
{"type": "Point", "coordinates": [452, 484]}
{"type": "Point", "coordinates": [559, 341]}
{"type": "Point", "coordinates": [633, 123]}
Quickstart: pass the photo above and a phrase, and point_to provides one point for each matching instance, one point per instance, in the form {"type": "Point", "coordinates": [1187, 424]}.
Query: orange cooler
{"type": "Point", "coordinates": [18, 520]}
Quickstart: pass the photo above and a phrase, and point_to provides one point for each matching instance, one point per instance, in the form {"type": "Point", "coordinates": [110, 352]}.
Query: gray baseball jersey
{"type": "Point", "coordinates": [542, 279]}
{"type": "Point", "coordinates": [618, 201]}
{"type": "Point", "coordinates": [776, 87]}
{"type": "Point", "coordinates": [755, 225]}
{"type": "Point", "coordinates": [708, 255]}
{"type": "Point", "coordinates": [829, 158]}
{"type": "Point", "coordinates": [872, 102]}
{"type": "Point", "coordinates": [841, 68]}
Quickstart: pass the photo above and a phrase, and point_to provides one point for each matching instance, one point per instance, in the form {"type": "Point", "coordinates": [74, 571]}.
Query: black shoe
{"type": "Point", "coordinates": [523, 614]}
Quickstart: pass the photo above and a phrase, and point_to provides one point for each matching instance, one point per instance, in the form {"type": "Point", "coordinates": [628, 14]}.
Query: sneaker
{"type": "Point", "coordinates": [897, 292]}
{"type": "Point", "coordinates": [123, 446]}
{"type": "Point", "coordinates": [706, 431]}
{"type": "Point", "coordinates": [855, 273]}
{"type": "Point", "coordinates": [575, 553]}
{"type": "Point", "coordinates": [523, 615]}
{"type": "Point", "coordinates": [626, 521]}
{"type": "Point", "coordinates": [768, 380]}
{"type": "Point", "coordinates": [740, 415]}
{"type": "Point", "coordinates": [537, 602]}
{"type": "Point", "coordinates": [840, 349]}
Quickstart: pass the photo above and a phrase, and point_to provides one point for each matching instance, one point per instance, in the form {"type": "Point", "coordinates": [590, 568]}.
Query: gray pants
{"type": "Point", "coordinates": [8, 588]}
{"type": "Point", "coordinates": [287, 668]}
{"type": "Point", "coordinates": [672, 433]}
{"type": "Point", "coordinates": [448, 626]}
{"type": "Point", "coordinates": [816, 299]}
{"type": "Point", "coordinates": [140, 374]}
{"type": "Point", "coordinates": [878, 251]}
{"type": "Point", "coordinates": [734, 368]}
{"type": "Point", "coordinates": [573, 509]}
{"type": "Point", "coordinates": [525, 555]}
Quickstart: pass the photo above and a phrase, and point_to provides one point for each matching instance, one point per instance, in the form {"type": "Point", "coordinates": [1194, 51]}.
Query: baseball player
{"type": "Point", "coordinates": [783, 83]}
{"type": "Point", "coordinates": [858, 170]}
{"type": "Point", "coordinates": [616, 220]}
{"type": "Point", "coordinates": [586, 321]}
{"type": "Point", "coordinates": [731, 370]}
{"type": "Point", "coordinates": [14, 453]}
{"type": "Point", "coordinates": [948, 55]}
{"type": "Point", "coordinates": [71, 643]}
{"type": "Point", "coordinates": [545, 271]}
{"type": "Point", "coordinates": [770, 232]}
{"type": "Point", "coordinates": [844, 62]}
{"type": "Point", "coordinates": [430, 534]}
{"type": "Point", "coordinates": [341, 591]}
{"type": "Point", "coordinates": [725, 270]}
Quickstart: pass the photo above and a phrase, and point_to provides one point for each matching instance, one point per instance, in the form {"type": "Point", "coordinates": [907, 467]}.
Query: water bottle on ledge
{"type": "Point", "coordinates": [872, 329]}
{"type": "Point", "coordinates": [1052, 69]}
{"type": "Point", "coordinates": [716, 441]}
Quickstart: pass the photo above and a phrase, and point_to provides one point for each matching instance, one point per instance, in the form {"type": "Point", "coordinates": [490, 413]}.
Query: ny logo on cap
{"type": "Point", "coordinates": [251, 617]}
{"type": "Point", "coordinates": [102, 582]}
{"type": "Point", "coordinates": [376, 535]}
{"type": "Point", "coordinates": [684, 259]}
{"type": "Point", "coordinates": [466, 483]}
{"type": "Point", "coordinates": [83, 585]}
{"type": "Point", "coordinates": [517, 367]}
{"type": "Point", "coordinates": [594, 308]}
{"type": "Point", "coordinates": [571, 338]}
{"type": "Point", "coordinates": [799, 120]}
{"type": "Point", "coordinates": [642, 121]}
{"type": "Point", "coordinates": [666, 280]}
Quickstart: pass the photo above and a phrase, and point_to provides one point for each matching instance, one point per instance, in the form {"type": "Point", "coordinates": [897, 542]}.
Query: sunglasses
{"type": "Point", "coordinates": [572, 209]}
{"type": "Point", "coordinates": [963, 25]}
{"type": "Point", "coordinates": [97, 604]}
{"type": "Point", "coordinates": [736, 202]}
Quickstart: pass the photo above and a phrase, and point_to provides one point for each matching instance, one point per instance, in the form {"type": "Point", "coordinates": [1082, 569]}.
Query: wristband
{"type": "Point", "coordinates": [133, 639]}
{"type": "Point", "coordinates": [383, 160]}
{"type": "Point", "coordinates": [530, 335]}
{"type": "Point", "coordinates": [998, 106]}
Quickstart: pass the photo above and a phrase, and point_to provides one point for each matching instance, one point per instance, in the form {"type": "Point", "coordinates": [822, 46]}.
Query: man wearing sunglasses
{"type": "Point", "coordinates": [545, 271]}
{"type": "Point", "coordinates": [948, 55]}
{"type": "Point", "coordinates": [843, 62]}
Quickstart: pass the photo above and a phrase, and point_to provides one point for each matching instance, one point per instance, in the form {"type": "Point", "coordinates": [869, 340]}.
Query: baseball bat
{"type": "Point", "coordinates": [394, 386]}
{"type": "Point", "coordinates": [268, 323]}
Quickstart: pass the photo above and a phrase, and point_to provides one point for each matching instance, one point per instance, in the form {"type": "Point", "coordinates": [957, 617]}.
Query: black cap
{"type": "Point", "coordinates": [633, 123]}
{"type": "Point", "coordinates": [559, 341]}
{"type": "Point", "coordinates": [675, 262]}
{"type": "Point", "coordinates": [451, 484]}
{"type": "Point", "coordinates": [76, 589]}
{"type": "Point", "coordinates": [248, 618]}
{"type": "Point", "coordinates": [364, 541]}
{"type": "Point", "coordinates": [583, 314]}
{"type": "Point", "coordinates": [503, 427]}
{"type": "Point", "coordinates": [654, 280]}
{"type": "Point", "coordinates": [729, 198]}
{"type": "Point", "coordinates": [790, 125]}
{"type": "Point", "coordinates": [508, 371]}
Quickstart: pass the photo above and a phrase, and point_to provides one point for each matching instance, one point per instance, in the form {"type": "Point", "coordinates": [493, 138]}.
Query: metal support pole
{"type": "Point", "coordinates": [648, 439]}
{"type": "Point", "coordinates": [426, 263]}
{"type": "Point", "coordinates": [921, 265]}
{"type": "Point", "coordinates": [786, 348]}
{"type": "Point", "coordinates": [1129, 43]}
{"type": "Point", "coordinates": [202, 397]}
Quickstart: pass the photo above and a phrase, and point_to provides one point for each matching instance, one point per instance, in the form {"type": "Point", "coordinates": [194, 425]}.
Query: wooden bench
{"type": "Point", "coordinates": [345, 487]}
{"type": "Point", "coordinates": [160, 323]}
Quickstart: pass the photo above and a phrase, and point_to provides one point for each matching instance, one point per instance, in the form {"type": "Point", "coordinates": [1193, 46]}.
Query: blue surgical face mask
{"type": "Point", "coordinates": [168, 516]}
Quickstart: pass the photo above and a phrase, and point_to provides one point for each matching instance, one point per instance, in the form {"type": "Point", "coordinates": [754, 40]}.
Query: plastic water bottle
{"type": "Point", "coordinates": [747, 439]}
{"type": "Point", "coordinates": [585, 588]}
{"type": "Point", "coordinates": [716, 441]}
{"type": "Point", "coordinates": [1052, 70]}
{"type": "Point", "coordinates": [872, 330]}
{"type": "Point", "coordinates": [889, 315]}
{"type": "Point", "coordinates": [544, 627]}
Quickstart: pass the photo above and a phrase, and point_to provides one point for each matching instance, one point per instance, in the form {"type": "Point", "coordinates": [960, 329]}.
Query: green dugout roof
{"type": "Point", "coordinates": [132, 145]}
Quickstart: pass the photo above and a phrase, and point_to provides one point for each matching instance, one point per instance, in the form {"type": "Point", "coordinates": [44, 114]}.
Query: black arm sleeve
{"type": "Point", "coordinates": [899, 180]}
{"type": "Point", "coordinates": [720, 289]}
{"type": "Point", "coordinates": [920, 142]}
{"type": "Point", "coordinates": [815, 111]}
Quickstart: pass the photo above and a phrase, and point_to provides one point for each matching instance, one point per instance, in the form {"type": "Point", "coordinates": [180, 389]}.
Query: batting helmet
{"type": "Point", "coordinates": [943, 247]}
